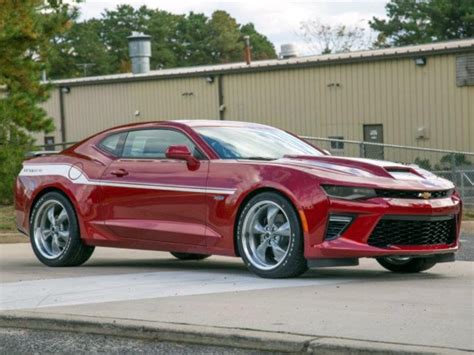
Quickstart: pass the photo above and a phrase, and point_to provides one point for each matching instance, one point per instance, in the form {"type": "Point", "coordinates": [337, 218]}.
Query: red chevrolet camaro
{"type": "Point", "coordinates": [197, 188]}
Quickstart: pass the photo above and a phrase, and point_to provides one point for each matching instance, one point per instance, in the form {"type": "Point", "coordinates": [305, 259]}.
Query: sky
{"type": "Point", "coordinates": [278, 20]}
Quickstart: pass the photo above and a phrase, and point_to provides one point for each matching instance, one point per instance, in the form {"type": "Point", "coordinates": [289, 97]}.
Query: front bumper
{"type": "Point", "coordinates": [353, 242]}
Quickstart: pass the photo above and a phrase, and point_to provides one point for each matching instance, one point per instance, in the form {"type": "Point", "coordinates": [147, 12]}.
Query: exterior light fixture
{"type": "Point", "coordinates": [210, 79]}
{"type": "Point", "coordinates": [65, 89]}
{"type": "Point", "coordinates": [420, 61]}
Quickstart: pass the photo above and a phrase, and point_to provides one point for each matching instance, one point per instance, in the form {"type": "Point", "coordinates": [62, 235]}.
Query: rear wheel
{"type": "Point", "coordinates": [269, 237]}
{"type": "Point", "coordinates": [189, 256]}
{"type": "Point", "coordinates": [54, 232]}
{"type": "Point", "coordinates": [406, 264]}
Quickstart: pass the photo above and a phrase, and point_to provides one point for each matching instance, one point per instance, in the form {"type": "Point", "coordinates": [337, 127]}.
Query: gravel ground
{"type": "Point", "coordinates": [20, 341]}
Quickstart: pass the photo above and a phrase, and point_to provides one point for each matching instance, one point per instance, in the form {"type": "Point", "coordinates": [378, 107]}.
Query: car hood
{"type": "Point", "coordinates": [367, 172]}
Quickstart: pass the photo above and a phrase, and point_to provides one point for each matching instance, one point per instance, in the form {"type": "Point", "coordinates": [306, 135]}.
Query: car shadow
{"type": "Point", "coordinates": [236, 267]}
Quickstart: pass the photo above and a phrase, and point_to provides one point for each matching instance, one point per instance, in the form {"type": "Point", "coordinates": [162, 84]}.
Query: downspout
{"type": "Point", "coordinates": [62, 115]}
{"type": "Point", "coordinates": [220, 93]}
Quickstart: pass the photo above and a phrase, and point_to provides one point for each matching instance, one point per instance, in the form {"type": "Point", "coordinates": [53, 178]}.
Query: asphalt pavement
{"type": "Point", "coordinates": [218, 302]}
{"type": "Point", "coordinates": [466, 251]}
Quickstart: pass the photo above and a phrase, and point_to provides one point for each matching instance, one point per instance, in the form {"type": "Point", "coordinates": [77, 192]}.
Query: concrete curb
{"type": "Point", "coordinates": [205, 335]}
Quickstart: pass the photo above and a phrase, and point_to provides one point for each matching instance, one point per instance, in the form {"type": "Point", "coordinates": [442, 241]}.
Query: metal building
{"type": "Point", "coordinates": [418, 96]}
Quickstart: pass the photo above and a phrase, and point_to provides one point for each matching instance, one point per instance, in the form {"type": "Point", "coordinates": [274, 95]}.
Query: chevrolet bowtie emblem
{"type": "Point", "coordinates": [424, 195]}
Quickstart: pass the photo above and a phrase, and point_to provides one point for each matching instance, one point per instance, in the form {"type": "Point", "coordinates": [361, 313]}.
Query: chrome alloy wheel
{"type": "Point", "coordinates": [51, 229]}
{"type": "Point", "coordinates": [266, 235]}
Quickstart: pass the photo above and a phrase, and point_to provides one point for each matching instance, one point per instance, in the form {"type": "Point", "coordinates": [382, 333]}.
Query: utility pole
{"type": "Point", "coordinates": [84, 67]}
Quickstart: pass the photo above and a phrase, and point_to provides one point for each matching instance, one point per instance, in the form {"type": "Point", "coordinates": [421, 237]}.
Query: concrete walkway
{"type": "Point", "coordinates": [218, 300]}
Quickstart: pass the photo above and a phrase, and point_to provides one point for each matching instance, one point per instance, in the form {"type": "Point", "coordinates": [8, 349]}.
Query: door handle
{"type": "Point", "coordinates": [119, 172]}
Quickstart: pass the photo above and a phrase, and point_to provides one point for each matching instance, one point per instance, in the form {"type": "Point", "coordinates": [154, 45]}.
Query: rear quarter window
{"type": "Point", "coordinates": [113, 144]}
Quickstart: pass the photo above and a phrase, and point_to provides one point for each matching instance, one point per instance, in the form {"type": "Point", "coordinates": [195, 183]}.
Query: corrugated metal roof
{"type": "Point", "coordinates": [408, 51]}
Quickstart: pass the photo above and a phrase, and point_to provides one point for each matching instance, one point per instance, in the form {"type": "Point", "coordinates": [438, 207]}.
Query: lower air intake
{"type": "Point", "coordinates": [408, 230]}
{"type": "Point", "coordinates": [337, 225]}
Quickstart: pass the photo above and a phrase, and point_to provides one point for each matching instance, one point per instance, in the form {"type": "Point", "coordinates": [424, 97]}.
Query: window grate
{"type": "Point", "coordinates": [465, 70]}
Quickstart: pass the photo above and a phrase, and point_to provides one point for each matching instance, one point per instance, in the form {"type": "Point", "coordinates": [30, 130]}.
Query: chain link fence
{"type": "Point", "coordinates": [452, 165]}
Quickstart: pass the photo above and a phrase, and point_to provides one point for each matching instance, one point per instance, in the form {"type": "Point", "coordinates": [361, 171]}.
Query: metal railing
{"type": "Point", "coordinates": [456, 166]}
{"type": "Point", "coordinates": [51, 147]}
{"type": "Point", "coordinates": [453, 165]}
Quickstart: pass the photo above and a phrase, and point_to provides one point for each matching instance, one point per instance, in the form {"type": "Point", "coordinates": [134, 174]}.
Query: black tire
{"type": "Point", "coordinates": [293, 263]}
{"type": "Point", "coordinates": [189, 256]}
{"type": "Point", "coordinates": [412, 265]}
{"type": "Point", "coordinates": [75, 252]}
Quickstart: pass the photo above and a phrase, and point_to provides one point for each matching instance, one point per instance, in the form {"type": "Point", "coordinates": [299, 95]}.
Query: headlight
{"type": "Point", "coordinates": [349, 192]}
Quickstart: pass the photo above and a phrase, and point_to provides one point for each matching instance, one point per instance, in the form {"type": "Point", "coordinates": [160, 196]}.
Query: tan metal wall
{"type": "Point", "coordinates": [52, 108]}
{"type": "Point", "coordinates": [395, 93]}
{"type": "Point", "coordinates": [93, 108]}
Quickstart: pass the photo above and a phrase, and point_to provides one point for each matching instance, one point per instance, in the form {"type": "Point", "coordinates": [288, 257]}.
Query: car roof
{"type": "Point", "coordinates": [187, 123]}
{"type": "Point", "coordinates": [217, 123]}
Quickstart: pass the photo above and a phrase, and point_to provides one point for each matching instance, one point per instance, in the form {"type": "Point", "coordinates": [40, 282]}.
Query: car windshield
{"type": "Point", "coordinates": [260, 143]}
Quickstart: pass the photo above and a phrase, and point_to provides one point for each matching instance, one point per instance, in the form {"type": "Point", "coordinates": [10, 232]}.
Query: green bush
{"type": "Point", "coordinates": [11, 158]}
{"type": "Point", "coordinates": [459, 160]}
{"type": "Point", "coordinates": [423, 163]}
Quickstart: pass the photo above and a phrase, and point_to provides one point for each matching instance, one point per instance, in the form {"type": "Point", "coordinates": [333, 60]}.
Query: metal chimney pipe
{"type": "Point", "coordinates": [248, 54]}
{"type": "Point", "coordinates": [139, 48]}
{"type": "Point", "coordinates": [288, 51]}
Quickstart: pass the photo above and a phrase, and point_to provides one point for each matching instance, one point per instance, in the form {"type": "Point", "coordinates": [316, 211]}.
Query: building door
{"type": "Point", "coordinates": [373, 133]}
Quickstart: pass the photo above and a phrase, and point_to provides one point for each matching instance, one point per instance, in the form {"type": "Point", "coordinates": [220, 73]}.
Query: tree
{"type": "Point", "coordinates": [324, 38]}
{"type": "Point", "coordinates": [80, 52]}
{"type": "Point", "coordinates": [415, 22]}
{"type": "Point", "coordinates": [26, 30]}
{"type": "Point", "coordinates": [226, 40]}
{"type": "Point", "coordinates": [101, 45]}
{"type": "Point", "coordinates": [262, 48]}
{"type": "Point", "coordinates": [115, 26]}
{"type": "Point", "coordinates": [193, 37]}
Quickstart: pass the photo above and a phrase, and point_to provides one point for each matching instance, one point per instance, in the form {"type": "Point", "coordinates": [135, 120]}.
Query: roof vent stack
{"type": "Point", "coordinates": [248, 53]}
{"type": "Point", "coordinates": [288, 51]}
{"type": "Point", "coordinates": [139, 49]}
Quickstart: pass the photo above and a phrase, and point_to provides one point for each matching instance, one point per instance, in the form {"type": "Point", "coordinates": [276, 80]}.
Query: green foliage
{"type": "Point", "coordinates": [226, 43]}
{"type": "Point", "coordinates": [262, 48]}
{"type": "Point", "coordinates": [76, 56]}
{"type": "Point", "coordinates": [424, 21]}
{"type": "Point", "coordinates": [177, 40]}
{"type": "Point", "coordinates": [457, 158]}
{"type": "Point", "coordinates": [26, 30]}
{"type": "Point", "coordinates": [11, 157]}
{"type": "Point", "coordinates": [194, 47]}
{"type": "Point", "coordinates": [423, 163]}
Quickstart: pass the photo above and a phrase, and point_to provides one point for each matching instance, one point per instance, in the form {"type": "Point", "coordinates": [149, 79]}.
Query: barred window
{"type": "Point", "coordinates": [337, 143]}
{"type": "Point", "coordinates": [465, 69]}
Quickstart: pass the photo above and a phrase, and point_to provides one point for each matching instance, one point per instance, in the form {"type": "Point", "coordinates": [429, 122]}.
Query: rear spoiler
{"type": "Point", "coordinates": [41, 153]}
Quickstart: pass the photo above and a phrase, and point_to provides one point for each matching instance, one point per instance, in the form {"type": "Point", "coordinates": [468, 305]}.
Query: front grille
{"type": "Point", "coordinates": [412, 194]}
{"type": "Point", "coordinates": [421, 230]}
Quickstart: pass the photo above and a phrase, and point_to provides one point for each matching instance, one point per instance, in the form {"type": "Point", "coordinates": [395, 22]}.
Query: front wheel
{"type": "Point", "coordinates": [54, 232]}
{"type": "Point", "coordinates": [270, 237]}
{"type": "Point", "coordinates": [406, 264]}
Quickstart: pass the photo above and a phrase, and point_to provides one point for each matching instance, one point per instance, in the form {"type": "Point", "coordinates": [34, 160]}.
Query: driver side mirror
{"type": "Point", "coordinates": [182, 152]}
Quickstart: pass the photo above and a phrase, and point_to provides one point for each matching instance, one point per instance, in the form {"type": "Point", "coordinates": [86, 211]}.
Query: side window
{"type": "Point", "coordinates": [113, 143]}
{"type": "Point", "coordinates": [153, 143]}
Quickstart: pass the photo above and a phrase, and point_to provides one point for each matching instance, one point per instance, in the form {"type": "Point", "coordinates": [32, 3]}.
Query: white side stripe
{"type": "Point", "coordinates": [77, 176]}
